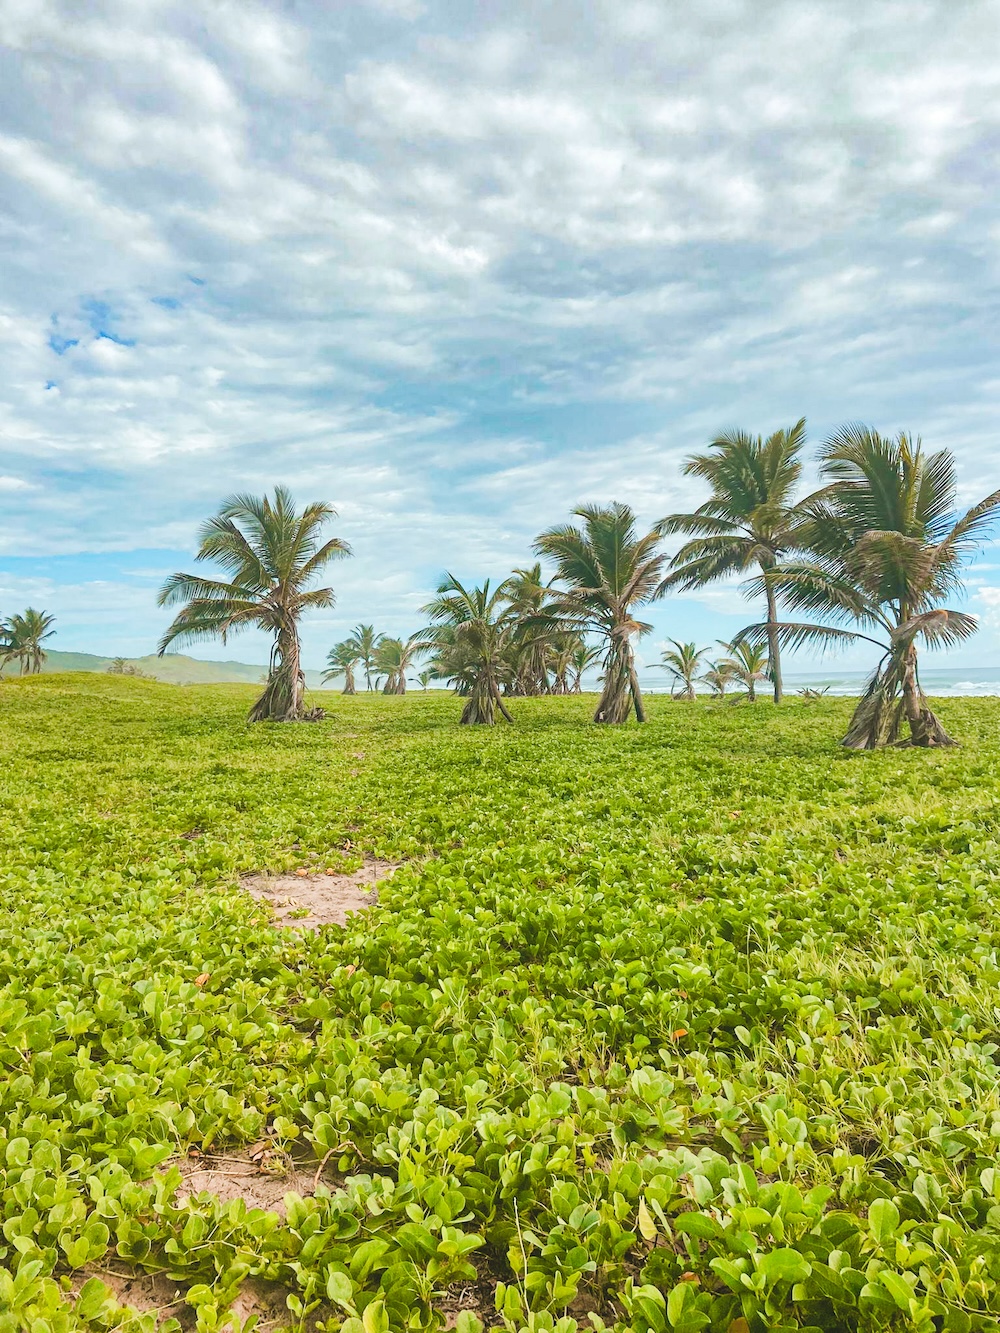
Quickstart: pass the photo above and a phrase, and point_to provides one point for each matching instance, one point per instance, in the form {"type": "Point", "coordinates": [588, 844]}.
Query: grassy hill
{"type": "Point", "coordinates": [174, 668]}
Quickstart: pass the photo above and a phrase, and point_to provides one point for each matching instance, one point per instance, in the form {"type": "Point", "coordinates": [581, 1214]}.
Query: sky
{"type": "Point", "coordinates": [457, 268]}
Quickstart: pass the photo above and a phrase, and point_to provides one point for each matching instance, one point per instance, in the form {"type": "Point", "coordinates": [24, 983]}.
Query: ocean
{"type": "Point", "coordinates": [944, 682]}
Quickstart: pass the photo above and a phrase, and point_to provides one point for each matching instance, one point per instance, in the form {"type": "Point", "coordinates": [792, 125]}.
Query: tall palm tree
{"type": "Point", "coordinates": [605, 570]}
{"type": "Point", "coordinates": [470, 634]}
{"type": "Point", "coordinates": [682, 661]}
{"type": "Point", "coordinates": [367, 642]}
{"type": "Point", "coordinates": [749, 520]}
{"type": "Point", "coordinates": [887, 548]}
{"type": "Point", "coordinates": [22, 639]}
{"type": "Point", "coordinates": [340, 661]}
{"type": "Point", "coordinates": [393, 658]}
{"type": "Point", "coordinates": [746, 663]}
{"type": "Point", "coordinates": [272, 553]}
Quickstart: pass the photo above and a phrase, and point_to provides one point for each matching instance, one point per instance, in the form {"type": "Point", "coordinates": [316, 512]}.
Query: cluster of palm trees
{"type": "Point", "coordinates": [869, 557]}
{"type": "Point", "coordinates": [22, 637]}
{"type": "Point", "coordinates": [744, 665]}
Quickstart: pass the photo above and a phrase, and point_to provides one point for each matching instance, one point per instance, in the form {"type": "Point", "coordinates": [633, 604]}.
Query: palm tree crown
{"type": "Point", "coordinates": [886, 550]}
{"type": "Point", "coordinates": [393, 658]}
{"type": "Point", "coordinates": [272, 553]}
{"type": "Point", "coordinates": [604, 570]}
{"type": "Point", "coordinates": [340, 661]}
{"type": "Point", "coordinates": [366, 641]}
{"type": "Point", "coordinates": [748, 520]}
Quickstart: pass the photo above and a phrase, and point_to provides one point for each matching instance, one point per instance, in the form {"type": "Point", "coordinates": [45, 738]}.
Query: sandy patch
{"type": "Point", "coordinates": [165, 1298]}
{"type": "Point", "coordinates": [305, 901]}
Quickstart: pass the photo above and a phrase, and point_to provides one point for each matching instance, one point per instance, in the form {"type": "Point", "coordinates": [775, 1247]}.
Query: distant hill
{"type": "Point", "coordinates": [174, 668]}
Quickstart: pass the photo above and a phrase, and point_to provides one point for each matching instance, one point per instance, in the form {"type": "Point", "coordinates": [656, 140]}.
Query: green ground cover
{"type": "Point", "coordinates": [692, 1025]}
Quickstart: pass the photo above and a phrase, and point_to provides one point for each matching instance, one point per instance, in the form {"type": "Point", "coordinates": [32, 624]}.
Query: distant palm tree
{"type": "Point", "coordinates": [340, 661]}
{"type": "Point", "coordinates": [747, 663]}
{"type": "Point", "coordinates": [718, 677]}
{"type": "Point", "coordinates": [424, 678]}
{"type": "Point", "coordinates": [470, 635]}
{"type": "Point", "coordinates": [272, 553]}
{"type": "Point", "coordinates": [887, 548]}
{"type": "Point", "coordinates": [584, 656]}
{"type": "Point", "coordinates": [21, 639]}
{"type": "Point", "coordinates": [749, 520]}
{"type": "Point", "coordinates": [367, 642]}
{"type": "Point", "coordinates": [531, 648]}
{"type": "Point", "coordinates": [393, 658]}
{"type": "Point", "coordinates": [605, 570]}
{"type": "Point", "coordinates": [683, 662]}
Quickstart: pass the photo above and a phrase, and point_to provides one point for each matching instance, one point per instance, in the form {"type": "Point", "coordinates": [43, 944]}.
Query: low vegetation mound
{"type": "Point", "coordinates": [683, 1026]}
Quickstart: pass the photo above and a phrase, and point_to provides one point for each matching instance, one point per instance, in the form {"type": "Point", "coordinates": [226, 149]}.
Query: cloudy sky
{"type": "Point", "coordinates": [457, 268]}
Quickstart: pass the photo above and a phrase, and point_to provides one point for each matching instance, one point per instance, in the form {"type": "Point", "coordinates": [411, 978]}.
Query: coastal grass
{"type": "Point", "coordinates": [688, 1025]}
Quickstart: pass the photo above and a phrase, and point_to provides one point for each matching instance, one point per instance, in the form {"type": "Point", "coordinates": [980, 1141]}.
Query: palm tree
{"type": "Point", "coordinates": [424, 678]}
{"type": "Point", "coordinates": [605, 570]}
{"type": "Point", "coordinates": [340, 661]}
{"type": "Point", "coordinates": [718, 677]}
{"type": "Point", "coordinates": [584, 655]}
{"type": "Point", "coordinates": [683, 662]}
{"type": "Point", "coordinates": [531, 647]}
{"type": "Point", "coordinates": [886, 549]}
{"type": "Point", "coordinates": [272, 554]}
{"type": "Point", "coordinates": [367, 642]}
{"type": "Point", "coordinates": [393, 658]}
{"type": "Point", "coordinates": [23, 636]}
{"type": "Point", "coordinates": [749, 519]}
{"type": "Point", "coordinates": [748, 664]}
{"type": "Point", "coordinates": [470, 632]}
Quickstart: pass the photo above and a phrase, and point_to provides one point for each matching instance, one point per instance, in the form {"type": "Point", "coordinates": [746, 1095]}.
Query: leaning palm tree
{"type": "Point", "coordinates": [272, 553]}
{"type": "Point", "coordinates": [367, 642]}
{"type": "Point", "coordinates": [605, 570]}
{"type": "Point", "coordinates": [340, 661]}
{"type": "Point", "coordinates": [887, 549]}
{"type": "Point", "coordinates": [23, 636]}
{"type": "Point", "coordinates": [748, 664]}
{"type": "Point", "coordinates": [748, 520]}
{"type": "Point", "coordinates": [393, 658]}
{"type": "Point", "coordinates": [682, 661]}
{"type": "Point", "coordinates": [470, 634]}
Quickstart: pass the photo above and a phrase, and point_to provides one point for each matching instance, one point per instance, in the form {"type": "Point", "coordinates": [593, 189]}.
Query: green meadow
{"type": "Point", "coordinates": [686, 1026]}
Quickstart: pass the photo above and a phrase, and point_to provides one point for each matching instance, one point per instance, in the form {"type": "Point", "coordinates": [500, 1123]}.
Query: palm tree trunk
{"type": "Point", "coordinates": [621, 685]}
{"type": "Point", "coordinates": [925, 729]}
{"type": "Point", "coordinates": [282, 697]}
{"type": "Point", "coordinates": [773, 651]}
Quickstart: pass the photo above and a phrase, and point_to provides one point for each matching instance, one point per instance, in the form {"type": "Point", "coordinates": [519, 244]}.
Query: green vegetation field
{"type": "Point", "coordinates": [694, 1025]}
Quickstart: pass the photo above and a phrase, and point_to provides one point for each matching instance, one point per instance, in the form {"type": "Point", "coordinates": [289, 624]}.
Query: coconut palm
{"type": "Point", "coordinates": [605, 570]}
{"type": "Point", "coordinates": [531, 648]}
{"type": "Point", "coordinates": [749, 520]}
{"type": "Point", "coordinates": [340, 661]}
{"type": "Point", "coordinates": [887, 548]}
{"type": "Point", "coordinates": [683, 662]}
{"type": "Point", "coordinates": [21, 639]}
{"type": "Point", "coordinates": [424, 678]}
{"type": "Point", "coordinates": [584, 656]}
{"type": "Point", "coordinates": [272, 553]}
{"type": "Point", "coordinates": [367, 642]}
{"type": "Point", "coordinates": [718, 677]}
{"type": "Point", "coordinates": [393, 658]}
{"type": "Point", "coordinates": [748, 664]}
{"type": "Point", "coordinates": [470, 634]}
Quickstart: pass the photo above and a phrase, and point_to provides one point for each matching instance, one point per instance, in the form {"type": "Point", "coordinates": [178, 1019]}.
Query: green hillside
{"type": "Point", "coordinates": [174, 668]}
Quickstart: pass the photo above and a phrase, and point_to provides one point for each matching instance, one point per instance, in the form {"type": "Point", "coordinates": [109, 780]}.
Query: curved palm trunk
{"type": "Point", "coordinates": [349, 686]}
{"type": "Point", "coordinates": [621, 691]}
{"type": "Point", "coordinates": [282, 697]}
{"type": "Point", "coordinates": [773, 650]}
